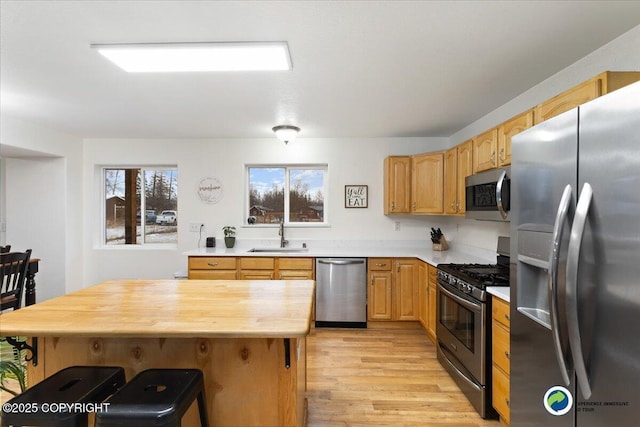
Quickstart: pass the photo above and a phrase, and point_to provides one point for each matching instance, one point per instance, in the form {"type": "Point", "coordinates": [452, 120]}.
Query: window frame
{"type": "Point", "coordinates": [101, 170]}
{"type": "Point", "coordinates": [288, 167]}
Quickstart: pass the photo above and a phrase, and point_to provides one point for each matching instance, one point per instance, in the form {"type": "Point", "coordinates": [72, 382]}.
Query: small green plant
{"type": "Point", "coordinates": [229, 231]}
{"type": "Point", "coordinates": [14, 370]}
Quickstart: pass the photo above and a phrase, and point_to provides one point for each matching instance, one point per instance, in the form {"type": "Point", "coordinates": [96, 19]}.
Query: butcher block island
{"type": "Point", "coordinates": [247, 337]}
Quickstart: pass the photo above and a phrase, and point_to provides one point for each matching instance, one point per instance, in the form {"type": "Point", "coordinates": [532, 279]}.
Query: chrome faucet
{"type": "Point", "coordinates": [283, 242]}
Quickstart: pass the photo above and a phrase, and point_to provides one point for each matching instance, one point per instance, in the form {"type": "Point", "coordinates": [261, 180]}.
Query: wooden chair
{"type": "Point", "coordinates": [13, 276]}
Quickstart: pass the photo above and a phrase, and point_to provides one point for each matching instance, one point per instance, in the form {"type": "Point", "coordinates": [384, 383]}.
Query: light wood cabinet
{"type": "Point", "coordinates": [423, 297]}
{"type": "Point", "coordinates": [405, 290]}
{"type": "Point", "coordinates": [295, 268]}
{"type": "Point", "coordinates": [212, 268]}
{"type": "Point", "coordinates": [458, 164]}
{"type": "Point", "coordinates": [451, 181]}
{"type": "Point", "coordinates": [397, 185]}
{"type": "Point", "coordinates": [591, 89]}
{"type": "Point", "coordinates": [485, 146]}
{"type": "Point", "coordinates": [432, 311]}
{"type": "Point", "coordinates": [427, 183]}
{"type": "Point", "coordinates": [393, 289]}
{"type": "Point", "coordinates": [379, 295]}
{"type": "Point", "coordinates": [501, 355]}
{"type": "Point", "coordinates": [507, 130]}
{"type": "Point", "coordinates": [256, 268]}
{"type": "Point", "coordinates": [251, 268]}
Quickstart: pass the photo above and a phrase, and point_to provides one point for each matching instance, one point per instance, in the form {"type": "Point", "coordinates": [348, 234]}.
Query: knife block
{"type": "Point", "coordinates": [440, 246]}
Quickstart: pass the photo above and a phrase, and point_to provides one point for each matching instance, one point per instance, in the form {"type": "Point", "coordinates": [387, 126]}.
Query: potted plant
{"type": "Point", "coordinates": [13, 370]}
{"type": "Point", "coordinates": [229, 236]}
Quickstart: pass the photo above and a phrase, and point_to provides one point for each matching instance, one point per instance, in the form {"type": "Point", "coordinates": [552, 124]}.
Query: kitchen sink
{"type": "Point", "coordinates": [280, 250]}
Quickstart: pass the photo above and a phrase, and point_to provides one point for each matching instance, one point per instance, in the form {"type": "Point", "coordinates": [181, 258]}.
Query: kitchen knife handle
{"type": "Point", "coordinates": [573, 259]}
{"type": "Point", "coordinates": [552, 280]}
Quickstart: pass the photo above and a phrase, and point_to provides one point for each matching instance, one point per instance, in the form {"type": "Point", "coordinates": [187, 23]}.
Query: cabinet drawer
{"type": "Point", "coordinates": [295, 263]}
{"type": "Point", "coordinates": [257, 263]}
{"type": "Point", "coordinates": [500, 399]}
{"type": "Point", "coordinates": [433, 274]}
{"type": "Point", "coordinates": [213, 274]}
{"type": "Point", "coordinates": [295, 275]}
{"type": "Point", "coordinates": [500, 312]}
{"type": "Point", "coordinates": [501, 347]}
{"type": "Point", "coordinates": [379, 264]}
{"type": "Point", "coordinates": [212, 263]}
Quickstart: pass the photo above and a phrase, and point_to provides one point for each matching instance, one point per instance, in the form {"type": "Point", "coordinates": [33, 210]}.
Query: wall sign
{"type": "Point", "coordinates": [210, 190]}
{"type": "Point", "coordinates": [356, 196]}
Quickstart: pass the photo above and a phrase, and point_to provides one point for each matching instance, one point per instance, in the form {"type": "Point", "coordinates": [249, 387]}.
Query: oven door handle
{"type": "Point", "coordinates": [461, 374]}
{"type": "Point", "coordinates": [558, 230]}
{"type": "Point", "coordinates": [468, 304]}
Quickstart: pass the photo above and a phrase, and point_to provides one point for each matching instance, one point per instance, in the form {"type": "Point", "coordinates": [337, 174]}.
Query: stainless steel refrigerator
{"type": "Point", "coordinates": [575, 267]}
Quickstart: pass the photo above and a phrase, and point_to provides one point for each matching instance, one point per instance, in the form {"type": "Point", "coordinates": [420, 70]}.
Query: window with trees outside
{"type": "Point", "coordinates": [141, 205]}
{"type": "Point", "coordinates": [289, 194]}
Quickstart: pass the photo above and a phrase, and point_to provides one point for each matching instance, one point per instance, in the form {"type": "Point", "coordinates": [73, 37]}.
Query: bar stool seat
{"type": "Point", "coordinates": [41, 405]}
{"type": "Point", "coordinates": [156, 397]}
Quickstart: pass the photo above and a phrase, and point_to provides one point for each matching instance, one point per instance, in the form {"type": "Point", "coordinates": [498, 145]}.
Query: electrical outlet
{"type": "Point", "coordinates": [397, 226]}
{"type": "Point", "coordinates": [196, 226]}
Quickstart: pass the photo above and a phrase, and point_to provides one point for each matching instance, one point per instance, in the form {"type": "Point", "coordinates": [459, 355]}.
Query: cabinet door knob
{"type": "Point", "coordinates": [507, 401]}
{"type": "Point", "coordinates": [506, 316]}
{"type": "Point", "coordinates": [507, 355]}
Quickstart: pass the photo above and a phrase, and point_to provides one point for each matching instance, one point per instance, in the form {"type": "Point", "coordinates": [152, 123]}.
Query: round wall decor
{"type": "Point", "coordinates": [210, 190]}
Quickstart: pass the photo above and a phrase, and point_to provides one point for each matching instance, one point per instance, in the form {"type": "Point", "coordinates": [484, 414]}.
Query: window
{"type": "Point", "coordinates": [125, 202]}
{"type": "Point", "coordinates": [293, 194]}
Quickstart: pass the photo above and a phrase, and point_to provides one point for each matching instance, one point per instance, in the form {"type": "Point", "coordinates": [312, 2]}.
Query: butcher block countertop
{"type": "Point", "coordinates": [171, 309]}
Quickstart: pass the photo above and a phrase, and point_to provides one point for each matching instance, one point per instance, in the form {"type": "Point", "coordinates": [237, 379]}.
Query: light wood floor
{"type": "Point", "coordinates": [382, 377]}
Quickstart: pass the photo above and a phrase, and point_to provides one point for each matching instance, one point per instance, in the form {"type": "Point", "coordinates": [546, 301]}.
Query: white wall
{"type": "Point", "coordinates": [621, 54]}
{"type": "Point", "coordinates": [351, 161]}
{"type": "Point", "coordinates": [41, 197]}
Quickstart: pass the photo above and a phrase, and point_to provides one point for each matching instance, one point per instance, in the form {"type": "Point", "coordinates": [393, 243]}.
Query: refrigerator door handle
{"type": "Point", "coordinates": [573, 258]}
{"type": "Point", "coordinates": [558, 230]}
{"type": "Point", "coordinates": [503, 213]}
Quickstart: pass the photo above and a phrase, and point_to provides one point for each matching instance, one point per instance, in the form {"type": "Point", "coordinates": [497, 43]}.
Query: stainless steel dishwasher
{"type": "Point", "coordinates": [341, 292]}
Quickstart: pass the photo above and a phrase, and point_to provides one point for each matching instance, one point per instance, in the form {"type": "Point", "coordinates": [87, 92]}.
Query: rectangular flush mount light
{"type": "Point", "coordinates": [194, 57]}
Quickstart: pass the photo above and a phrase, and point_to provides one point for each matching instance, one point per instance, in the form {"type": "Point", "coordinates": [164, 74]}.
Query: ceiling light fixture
{"type": "Point", "coordinates": [286, 133]}
{"type": "Point", "coordinates": [195, 57]}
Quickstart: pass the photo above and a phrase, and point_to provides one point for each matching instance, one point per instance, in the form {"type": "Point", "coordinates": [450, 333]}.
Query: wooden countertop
{"type": "Point", "coordinates": [171, 309]}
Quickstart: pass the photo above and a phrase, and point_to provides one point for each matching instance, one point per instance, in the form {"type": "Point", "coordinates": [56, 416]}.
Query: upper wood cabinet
{"type": "Point", "coordinates": [507, 130]}
{"type": "Point", "coordinates": [458, 164]}
{"type": "Point", "coordinates": [584, 92]}
{"type": "Point", "coordinates": [397, 185]}
{"type": "Point", "coordinates": [485, 146]}
{"type": "Point", "coordinates": [427, 183]}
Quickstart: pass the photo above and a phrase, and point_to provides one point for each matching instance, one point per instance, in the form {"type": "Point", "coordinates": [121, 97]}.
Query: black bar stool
{"type": "Point", "coordinates": [64, 398]}
{"type": "Point", "coordinates": [156, 397]}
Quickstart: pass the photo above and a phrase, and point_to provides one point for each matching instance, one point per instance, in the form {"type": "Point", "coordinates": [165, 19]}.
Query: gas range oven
{"type": "Point", "coordinates": [463, 324]}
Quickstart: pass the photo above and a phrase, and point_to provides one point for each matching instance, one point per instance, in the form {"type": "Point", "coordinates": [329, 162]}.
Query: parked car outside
{"type": "Point", "coordinates": [167, 218]}
{"type": "Point", "coordinates": [150, 216]}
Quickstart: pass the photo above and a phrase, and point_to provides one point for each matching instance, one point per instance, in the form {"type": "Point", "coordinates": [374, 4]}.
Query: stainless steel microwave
{"type": "Point", "coordinates": [487, 195]}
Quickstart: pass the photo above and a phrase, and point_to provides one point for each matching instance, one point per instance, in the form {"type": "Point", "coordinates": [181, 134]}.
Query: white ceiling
{"type": "Point", "coordinates": [361, 68]}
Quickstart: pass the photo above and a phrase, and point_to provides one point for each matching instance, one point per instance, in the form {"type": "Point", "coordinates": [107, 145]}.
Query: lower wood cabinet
{"type": "Point", "coordinates": [379, 292]}
{"type": "Point", "coordinates": [250, 268]}
{"type": "Point", "coordinates": [500, 356]}
{"type": "Point", "coordinates": [431, 315]}
{"type": "Point", "coordinates": [212, 268]}
{"type": "Point", "coordinates": [393, 289]}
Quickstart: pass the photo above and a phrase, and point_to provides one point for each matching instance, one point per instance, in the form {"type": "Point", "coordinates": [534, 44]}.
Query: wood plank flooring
{"type": "Point", "coordinates": [382, 377]}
